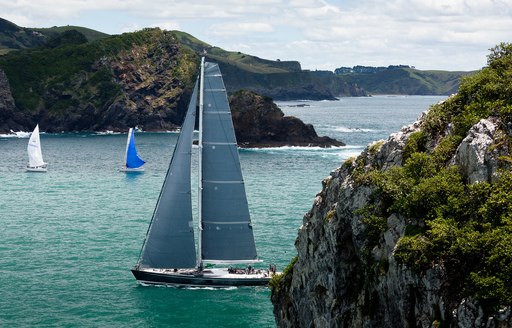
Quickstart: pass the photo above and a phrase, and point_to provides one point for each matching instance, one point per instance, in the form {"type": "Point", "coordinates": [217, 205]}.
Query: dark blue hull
{"type": "Point", "coordinates": [200, 279]}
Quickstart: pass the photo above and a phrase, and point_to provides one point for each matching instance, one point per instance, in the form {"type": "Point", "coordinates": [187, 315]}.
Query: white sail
{"type": "Point", "coordinates": [35, 156]}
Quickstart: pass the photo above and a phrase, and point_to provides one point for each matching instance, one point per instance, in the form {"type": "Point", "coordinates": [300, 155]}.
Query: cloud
{"type": "Point", "coordinates": [321, 34]}
{"type": "Point", "coordinates": [231, 29]}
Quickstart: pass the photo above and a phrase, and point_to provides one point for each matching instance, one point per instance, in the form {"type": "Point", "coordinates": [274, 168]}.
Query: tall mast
{"type": "Point", "coordinates": [127, 144]}
{"type": "Point", "coordinates": [200, 174]}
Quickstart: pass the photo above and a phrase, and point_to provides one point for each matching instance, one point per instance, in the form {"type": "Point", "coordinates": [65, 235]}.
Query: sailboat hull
{"type": "Point", "coordinates": [40, 169]}
{"type": "Point", "coordinates": [131, 170]}
{"type": "Point", "coordinates": [206, 278]}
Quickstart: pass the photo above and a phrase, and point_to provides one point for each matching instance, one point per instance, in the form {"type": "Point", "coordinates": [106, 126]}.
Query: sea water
{"type": "Point", "coordinates": [69, 237]}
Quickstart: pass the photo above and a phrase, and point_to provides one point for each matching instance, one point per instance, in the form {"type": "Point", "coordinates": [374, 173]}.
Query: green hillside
{"type": "Point", "coordinates": [406, 81]}
{"type": "Point", "coordinates": [91, 35]}
{"type": "Point", "coordinates": [240, 60]}
{"type": "Point", "coordinates": [14, 37]}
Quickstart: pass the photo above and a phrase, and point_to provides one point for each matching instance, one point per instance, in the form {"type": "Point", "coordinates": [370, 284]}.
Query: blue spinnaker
{"type": "Point", "coordinates": [132, 158]}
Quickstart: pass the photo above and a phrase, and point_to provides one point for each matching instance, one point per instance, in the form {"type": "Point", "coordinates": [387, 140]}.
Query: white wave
{"type": "Point", "coordinates": [106, 133]}
{"type": "Point", "coordinates": [294, 148]}
{"type": "Point", "coordinates": [18, 134]}
{"type": "Point", "coordinates": [351, 154]}
{"type": "Point", "coordinates": [211, 288]}
{"type": "Point", "coordinates": [345, 129]}
{"type": "Point", "coordinates": [337, 152]}
{"type": "Point", "coordinates": [354, 147]}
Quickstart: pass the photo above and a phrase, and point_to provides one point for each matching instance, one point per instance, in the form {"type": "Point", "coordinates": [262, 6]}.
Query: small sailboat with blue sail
{"type": "Point", "coordinates": [133, 163]}
{"type": "Point", "coordinates": [35, 155]}
{"type": "Point", "coordinates": [225, 232]}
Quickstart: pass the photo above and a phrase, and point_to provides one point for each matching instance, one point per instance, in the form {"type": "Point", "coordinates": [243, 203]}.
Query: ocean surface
{"type": "Point", "coordinates": [69, 237]}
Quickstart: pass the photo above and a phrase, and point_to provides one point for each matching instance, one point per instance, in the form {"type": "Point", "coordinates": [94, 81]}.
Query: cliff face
{"type": "Point", "coordinates": [338, 281]}
{"type": "Point", "coordinates": [416, 231]}
{"type": "Point", "coordinates": [9, 116]}
{"type": "Point", "coordinates": [141, 79]}
{"type": "Point", "coordinates": [153, 96]}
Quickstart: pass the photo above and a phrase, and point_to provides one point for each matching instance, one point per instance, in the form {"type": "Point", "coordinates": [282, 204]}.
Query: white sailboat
{"type": "Point", "coordinates": [35, 156]}
{"type": "Point", "coordinates": [225, 235]}
{"type": "Point", "coordinates": [133, 163]}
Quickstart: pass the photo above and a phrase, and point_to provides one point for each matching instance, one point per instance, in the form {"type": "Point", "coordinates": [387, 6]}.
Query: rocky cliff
{"type": "Point", "coordinates": [260, 123]}
{"type": "Point", "coordinates": [9, 116]}
{"type": "Point", "coordinates": [416, 231]}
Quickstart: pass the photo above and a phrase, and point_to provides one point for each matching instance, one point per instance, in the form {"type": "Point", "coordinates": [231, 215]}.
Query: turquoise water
{"type": "Point", "coordinates": [68, 238]}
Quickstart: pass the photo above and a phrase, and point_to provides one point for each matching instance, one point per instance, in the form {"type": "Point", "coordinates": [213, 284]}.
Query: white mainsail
{"type": "Point", "coordinates": [35, 156]}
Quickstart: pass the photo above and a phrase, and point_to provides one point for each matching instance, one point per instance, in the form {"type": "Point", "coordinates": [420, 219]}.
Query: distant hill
{"type": "Point", "coordinates": [402, 79]}
{"type": "Point", "coordinates": [282, 80]}
{"type": "Point", "coordinates": [13, 37]}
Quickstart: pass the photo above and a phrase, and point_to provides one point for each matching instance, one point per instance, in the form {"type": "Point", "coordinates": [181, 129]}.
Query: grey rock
{"type": "Point", "coordinates": [333, 285]}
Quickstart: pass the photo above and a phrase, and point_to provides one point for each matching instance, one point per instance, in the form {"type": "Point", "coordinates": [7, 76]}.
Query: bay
{"type": "Point", "coordinates": [69, 237]}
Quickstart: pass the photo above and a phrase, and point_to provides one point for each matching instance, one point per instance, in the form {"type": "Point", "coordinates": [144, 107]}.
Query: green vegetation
{"type": "Point", "coordinates": [13, 37]}
{"type": "Point", "coordinates": [467, 227]}
{"type": "Point", "coordinates": [416, 143]}
{"type": "Point", "coordinates": [278, 279]}
{"type": "Point", "coordinates": [330, 215]}
{"type": "Point", "coordinates": [239, 60]}
{"type": "Point", "coordinates": [91, 35]}
{"type": "Point", "coordinates": [480, 95]}
{"type": "Point", "coordinates": [376, 224]}
{"type": "Point", "coordinates": [32, 72]}
{"type": "Point", "coordinates": [375, 147]}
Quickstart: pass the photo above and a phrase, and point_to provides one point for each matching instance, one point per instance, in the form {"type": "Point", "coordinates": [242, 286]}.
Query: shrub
{"type": "Point", "coordinates": [278, 279]}
{"type": "Point", "coordinates": [416, 143]}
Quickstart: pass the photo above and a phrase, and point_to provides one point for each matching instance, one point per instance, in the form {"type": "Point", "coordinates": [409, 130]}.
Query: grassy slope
{"type": "Point", "coordinates": [91, 35]}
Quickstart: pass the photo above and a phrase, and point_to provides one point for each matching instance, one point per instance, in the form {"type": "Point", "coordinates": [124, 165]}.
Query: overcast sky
{"type": "Point", "coordinates": [320, 34]}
